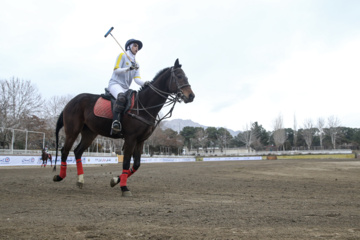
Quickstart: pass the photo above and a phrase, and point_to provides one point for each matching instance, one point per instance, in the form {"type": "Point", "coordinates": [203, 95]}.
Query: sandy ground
{"type": "Point", "coordinates": [280, 199]}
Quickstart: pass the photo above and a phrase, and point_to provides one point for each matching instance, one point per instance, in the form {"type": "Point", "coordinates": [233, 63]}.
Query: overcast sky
{"type": "Point", "coordinates": [246, 61]}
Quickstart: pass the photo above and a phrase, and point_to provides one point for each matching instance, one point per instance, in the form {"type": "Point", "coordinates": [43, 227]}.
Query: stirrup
{"type": "Point", "coordinates": [116, 126]}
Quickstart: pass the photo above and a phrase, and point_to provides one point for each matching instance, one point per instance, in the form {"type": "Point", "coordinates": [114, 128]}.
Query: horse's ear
{"type": "Point", "coordinates": [177, 64]}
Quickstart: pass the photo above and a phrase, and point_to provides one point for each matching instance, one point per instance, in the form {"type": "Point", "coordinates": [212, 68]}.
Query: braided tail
{"type": "Point", "coordinates": [59, 125]}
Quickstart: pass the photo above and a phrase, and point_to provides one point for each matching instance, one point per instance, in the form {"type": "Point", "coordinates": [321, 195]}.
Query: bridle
{"type": "Point", "coordinates": [171, 99]}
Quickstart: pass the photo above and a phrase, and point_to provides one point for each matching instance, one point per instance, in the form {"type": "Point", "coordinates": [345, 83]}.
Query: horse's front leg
{"type": "Point", "coordinates": [129, 149]}
{"type": "Point", "coordinates": [137, 157]}
{"type": "Point", "coordinates": [126, 173]}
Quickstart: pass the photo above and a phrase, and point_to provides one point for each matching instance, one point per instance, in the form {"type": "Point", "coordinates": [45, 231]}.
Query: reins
{"type": "Point", "coordinates": [171, 99]}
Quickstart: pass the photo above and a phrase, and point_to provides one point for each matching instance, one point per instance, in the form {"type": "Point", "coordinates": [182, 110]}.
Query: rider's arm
{"type": "Point", "coordinates": [119, 63]}
{"type": "Point", "coordinates": [120, 70]}
{"type": "Point", "coordinates": [137, 78]}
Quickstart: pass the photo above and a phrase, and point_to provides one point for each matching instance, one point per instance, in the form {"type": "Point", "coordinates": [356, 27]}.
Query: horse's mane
{"type": "Point", "coordinates": [156, 77]}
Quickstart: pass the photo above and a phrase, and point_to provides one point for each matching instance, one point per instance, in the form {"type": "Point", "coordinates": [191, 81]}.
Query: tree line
{"type": "Point", "coordinates": [23, 108]}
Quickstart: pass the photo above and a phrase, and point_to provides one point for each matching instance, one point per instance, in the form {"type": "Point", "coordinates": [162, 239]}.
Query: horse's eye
{"type": "Point", "coordinates": [179, 76]}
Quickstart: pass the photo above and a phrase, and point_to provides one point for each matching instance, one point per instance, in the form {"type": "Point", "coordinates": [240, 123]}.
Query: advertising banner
{"type": "Point", "coordinates": [157, 160]}
{"type": "Point", "coordinates": [36, 160]}
{"type": "Point", "coordinates": [232, 158]}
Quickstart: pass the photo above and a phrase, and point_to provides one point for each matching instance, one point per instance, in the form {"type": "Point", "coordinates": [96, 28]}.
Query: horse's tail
{"type": "Point", "coordinates": [59, 125]}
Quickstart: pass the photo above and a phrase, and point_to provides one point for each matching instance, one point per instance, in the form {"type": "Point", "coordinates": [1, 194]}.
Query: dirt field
{"type": "Point", "coordinates": [281, 199]}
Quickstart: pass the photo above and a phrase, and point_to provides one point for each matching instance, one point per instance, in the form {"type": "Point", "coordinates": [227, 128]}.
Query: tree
{"type": "Point", "coordinates": [171, 140]}
{"type": "Point", "coordinates": [19, 100]}
{"type": "Point", "coordinates": [279, 135]}
{"type": "Point", "coordinates": [248, 136]}
{"type": "Point", "coordinates": [308, 132]}
{"type": "Point", "coordinates": [262, 136]}
{"type": "Point", "coordinates": [321, 133]}
{"type": "Point", "coordinates": [154, 141]}
{"type": "Point", "coordinates": [223, 137]}
{"type": "Point", "coordinates": [289, 133]}
{"type": "Point", "coordinates": [212, 136]}
{"type": "Point", "coordinates": [188, 134]}
{"type": "Point", "coordinates": [51, 111]}
{"type": "Point", "coordinates": [295, 132]}
{"type": "Point", "coordinates": [200, 138]}
{"type": "Point", "coordinates": [334, 129]}
{"type": "Point", "coordinates": [19, 105]}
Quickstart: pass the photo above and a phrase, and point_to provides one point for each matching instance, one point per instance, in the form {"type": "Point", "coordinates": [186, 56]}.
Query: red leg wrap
{"type": "Point", "coordinates": [123, 178]}
{"type": "Point", "coordinates": [132, 171]}
{"type": "Point", "coordinates": [79, 167]}
{"type": "Point", "coordinates": [63, 170]}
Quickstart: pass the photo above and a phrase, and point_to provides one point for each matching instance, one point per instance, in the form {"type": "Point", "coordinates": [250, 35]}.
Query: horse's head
{"type": "Point", "coordinates": [179, 83]}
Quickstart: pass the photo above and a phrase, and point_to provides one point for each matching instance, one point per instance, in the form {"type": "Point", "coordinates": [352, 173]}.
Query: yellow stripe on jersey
{"type": "Point", "coordinates": [118, 61]}
{"type": "Point", "coordinates": [138, 77]}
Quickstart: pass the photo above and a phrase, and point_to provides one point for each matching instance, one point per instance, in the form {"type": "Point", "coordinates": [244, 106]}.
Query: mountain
{"type": "Point", "coordinates": [179, 124]}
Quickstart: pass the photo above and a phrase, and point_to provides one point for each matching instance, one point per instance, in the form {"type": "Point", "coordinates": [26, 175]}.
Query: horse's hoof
{"type": "Point", "coordinates": [126, 194]}
{"type": "Point", "coordinates": [57, 178]}
{"type": "Point", "coordinates": [80, 184]}
{"type": "Point", "coordinates": [114, 181]}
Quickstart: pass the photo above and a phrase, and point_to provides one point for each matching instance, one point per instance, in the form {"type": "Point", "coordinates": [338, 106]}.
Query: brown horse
{"type": "Point", "coordinates": [44, 157]}
{"type": "Point", "coordinates": [169, 86]}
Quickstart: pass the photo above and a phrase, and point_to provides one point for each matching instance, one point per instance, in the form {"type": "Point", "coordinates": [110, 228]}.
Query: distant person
{"type": "Point", "coordinates": [126, 69]}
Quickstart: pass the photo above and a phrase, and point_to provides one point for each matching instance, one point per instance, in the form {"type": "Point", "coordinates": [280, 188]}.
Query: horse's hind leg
{"type": "Point", "coordinates": [87, 136]}
{"type": "Point", "coordinates": [69, 141]}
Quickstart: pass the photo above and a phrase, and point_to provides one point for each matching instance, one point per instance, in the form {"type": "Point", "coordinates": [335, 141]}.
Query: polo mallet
{"type": "Point", "coordinates": [109, 32]}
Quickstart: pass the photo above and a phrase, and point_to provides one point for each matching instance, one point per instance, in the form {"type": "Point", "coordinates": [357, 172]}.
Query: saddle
{"type": "Point", "coordinates": [104, 104]}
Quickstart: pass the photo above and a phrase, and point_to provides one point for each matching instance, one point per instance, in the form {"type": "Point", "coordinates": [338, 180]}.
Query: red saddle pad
{"type": "Point", "coordinates": [102, 108]}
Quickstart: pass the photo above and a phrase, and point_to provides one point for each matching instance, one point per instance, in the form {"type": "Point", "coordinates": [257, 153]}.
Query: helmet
{"type": "Point", "coordinates": [130, 41]}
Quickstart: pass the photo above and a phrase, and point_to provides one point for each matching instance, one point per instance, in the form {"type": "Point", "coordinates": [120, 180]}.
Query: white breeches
{"type": "Point", "coordinates": [115, 89]}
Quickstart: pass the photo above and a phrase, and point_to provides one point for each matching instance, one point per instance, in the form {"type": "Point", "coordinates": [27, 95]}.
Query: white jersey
{"type": "Point", "coordinates": [122, 74]}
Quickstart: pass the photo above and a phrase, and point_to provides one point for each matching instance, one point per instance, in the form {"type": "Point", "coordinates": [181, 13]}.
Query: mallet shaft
{"type": "Point", "coordinates": [109, 33]}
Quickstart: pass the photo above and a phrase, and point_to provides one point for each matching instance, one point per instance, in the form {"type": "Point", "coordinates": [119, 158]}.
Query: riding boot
{"type": "Point", "coordinates": [118, 110]}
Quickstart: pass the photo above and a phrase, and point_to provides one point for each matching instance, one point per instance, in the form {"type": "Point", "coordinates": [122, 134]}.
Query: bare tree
{"type": "Point", "coordinates": [248, 136]}
{"type": "Point", "coordinates": [320, 126]}
{"type": "Point", "coordinates": [334, 129]}
{"type": "Point", "coordinates": [308, 132]}
{"type": "Point", "coordinates": [54, 107]}
{"type": "Point", "coordinates": [295, 132]}
{"type": "Point", "coordinates": [279, 134]}
{"type": "Point", "coordinates": [201, 137]}
{"type": "Point", "coordinates": [19, 101]}
{"type": "Point", "coordinates": [51, 111]}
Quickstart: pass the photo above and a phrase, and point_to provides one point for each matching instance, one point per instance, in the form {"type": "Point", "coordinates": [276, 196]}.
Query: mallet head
{"type": "Point", "coordinates": [109, 32]}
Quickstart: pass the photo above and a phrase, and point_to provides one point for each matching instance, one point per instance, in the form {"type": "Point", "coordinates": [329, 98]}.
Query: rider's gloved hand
{"type": "Point", "coordinates": [134, 66]}
{"type": "Point", "coordinates": [147, 83]}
